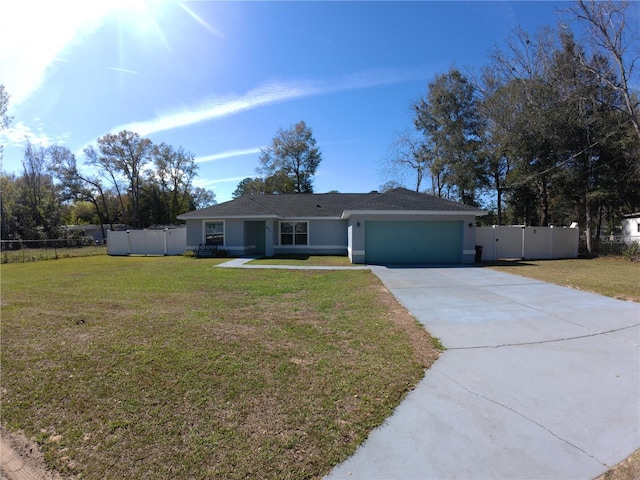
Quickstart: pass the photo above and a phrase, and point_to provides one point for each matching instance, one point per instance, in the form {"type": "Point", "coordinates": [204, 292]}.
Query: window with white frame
{"type": "Point", "coordinates": [214, 233]}
{"type": "Point", "coordinates": [294, 233]}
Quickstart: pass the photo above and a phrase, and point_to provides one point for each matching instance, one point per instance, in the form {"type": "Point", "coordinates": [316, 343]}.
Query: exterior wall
{"type": "Point", "coordinates": [356, 234]}
{"type": "Point", "coordinates": [195, 233]}
{"type": "Point", "coordinates": [631, 230]}
{"type": "Point", "coordinates": [531, 243]}
{"type": "Point", "coordinates": [325, 237]}
{"type": "Point", "coordinates": [234, 237]}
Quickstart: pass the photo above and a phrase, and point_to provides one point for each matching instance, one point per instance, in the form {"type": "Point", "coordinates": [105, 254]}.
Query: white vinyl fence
{"type": "Point", "coordinates": [147, 242]}
{"type": "Point", "coordinates": [528, 243]}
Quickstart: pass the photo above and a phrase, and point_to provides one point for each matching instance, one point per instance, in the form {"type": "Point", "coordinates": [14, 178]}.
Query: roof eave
{"type": "Point", "coordinates": [207, 217]}
{"type": "Point", "coordinates": [478, 213]}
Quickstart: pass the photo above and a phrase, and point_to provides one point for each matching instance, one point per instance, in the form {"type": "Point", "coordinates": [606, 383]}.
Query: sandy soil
{"type": "Point", "coordinates": [21, 459]}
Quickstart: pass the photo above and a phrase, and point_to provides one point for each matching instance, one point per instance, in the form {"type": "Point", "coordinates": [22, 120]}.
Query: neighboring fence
{"type": "Point", "coordinates": [530, 243]}
{"type": "Point", "coordinates": [20, 251]}
{"type": "Point", "coordinates": [147, 242]}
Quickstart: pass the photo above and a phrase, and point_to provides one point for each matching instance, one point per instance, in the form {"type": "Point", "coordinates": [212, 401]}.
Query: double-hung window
{"type": "Point", "coordinates": [214, 233]}
{"type": "Point", "coordinates": [294, 233]}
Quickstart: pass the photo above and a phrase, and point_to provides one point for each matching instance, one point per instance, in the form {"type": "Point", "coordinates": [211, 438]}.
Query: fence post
{"type": "Point", "coordinates": [166, 232]}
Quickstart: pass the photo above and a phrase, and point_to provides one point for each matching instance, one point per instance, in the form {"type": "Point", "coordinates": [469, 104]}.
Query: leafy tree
{"type": "Point", "coordinates": [121, 158]}
{"type": "Point", "coordinates": [41, 213]}
{"type": "Point", "coordinates": [10, 193]}
{"type": "Point", "coordinates": [250, 186]}
{"type": "Point", "coordinates": [564, 137]}
{"type": "Point", "coordinates": [449, 119]}
{"type": "Point", "coordinates": [526, 137]}
{"type": "Point", "coordinates": [174, 172]}
{"type": "Point", "coordinates": [292, 156]}
{"type": "Point", "coordinates": [202, 198]}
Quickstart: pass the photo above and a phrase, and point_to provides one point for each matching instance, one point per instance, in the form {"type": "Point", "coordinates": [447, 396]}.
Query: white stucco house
{"type": "Point", "coordinates": [398, 226]}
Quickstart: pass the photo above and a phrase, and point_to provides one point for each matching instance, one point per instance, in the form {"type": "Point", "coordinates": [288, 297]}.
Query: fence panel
{"type": "Point", "coordinates": [531, 243]}
{"type": "Point", "coordinates": [176, 241]}
{"type": "Point", "coordinates": [148, 242]}
{"type": "Point", "coordinates": [538, 243]}
{"type": "Point", "coordinates": [565, 242]}
{"type": "Point", "coordinates": [508, 242]}
{"type": "Point", "coordinates": [117, 243]}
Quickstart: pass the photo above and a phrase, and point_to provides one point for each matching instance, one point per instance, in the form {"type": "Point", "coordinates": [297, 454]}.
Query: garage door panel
{"type": "Point", "coordinates": [413, 242]}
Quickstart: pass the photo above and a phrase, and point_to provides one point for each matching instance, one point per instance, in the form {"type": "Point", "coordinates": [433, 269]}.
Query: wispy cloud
{"type": "Point", "coordinates": [267, 94]}
{"type": "Point", "coordinates": [229, 154]}
{"type": "Point", "coordinates": [124, 70]}
{"type": "Point", "coordinates": [17, 134]}
{"type": "Point", "coordinates": [201, 21]}
{"type": "Point", "coordinates": [211, 183]}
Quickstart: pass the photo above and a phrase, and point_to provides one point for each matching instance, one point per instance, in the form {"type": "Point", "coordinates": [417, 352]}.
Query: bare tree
{"type": "Point", "coordinates": [79, 186]}
{"type": "Point", "coordinates": [407, 154]}
{"type": "Point", "coordinates": [614, 35]}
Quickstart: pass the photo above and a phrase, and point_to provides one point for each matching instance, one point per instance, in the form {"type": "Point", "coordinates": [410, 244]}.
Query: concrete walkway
{"type": "Point", "coordinates": [539, 381]}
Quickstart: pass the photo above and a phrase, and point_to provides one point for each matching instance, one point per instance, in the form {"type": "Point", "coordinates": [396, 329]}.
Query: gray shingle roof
{"type": "Point", "coordinates": [401, 199]}
{"type": "Point", "coordinates": [327, 205]}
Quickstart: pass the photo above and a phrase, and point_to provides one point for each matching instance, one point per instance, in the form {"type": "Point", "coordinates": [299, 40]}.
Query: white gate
{"type": "Point", "coordinates": [147, 242]}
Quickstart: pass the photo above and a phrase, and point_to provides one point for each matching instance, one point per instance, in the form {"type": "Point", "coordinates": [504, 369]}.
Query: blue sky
{"type": "Point", "coordinates": [220, 78]}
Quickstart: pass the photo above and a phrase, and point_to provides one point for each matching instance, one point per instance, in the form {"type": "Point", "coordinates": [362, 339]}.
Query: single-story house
{"type": "Point", "coordinates": [397, 226]}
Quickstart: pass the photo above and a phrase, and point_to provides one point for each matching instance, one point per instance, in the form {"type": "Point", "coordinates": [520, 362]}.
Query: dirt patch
{"type": "Point", "coordinates": [420, 339]}
{"type": "Point", "coordinates": [628, 469]}
{"type": "Point", "coordinates": [21, 459]}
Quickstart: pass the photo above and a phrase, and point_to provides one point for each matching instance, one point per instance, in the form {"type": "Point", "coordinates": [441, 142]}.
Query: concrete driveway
{"type": "Point", "coordinates": [538, 381]}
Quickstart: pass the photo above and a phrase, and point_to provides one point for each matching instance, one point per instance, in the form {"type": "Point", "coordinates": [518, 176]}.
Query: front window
{"type": "Point", "coordinates": [214, 233]}
{"type": "Point", "coordinates": [294, 233]}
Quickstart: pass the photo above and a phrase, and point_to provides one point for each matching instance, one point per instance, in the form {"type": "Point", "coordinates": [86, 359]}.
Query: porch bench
{"type": "Point", "coordinates": [203, 250]}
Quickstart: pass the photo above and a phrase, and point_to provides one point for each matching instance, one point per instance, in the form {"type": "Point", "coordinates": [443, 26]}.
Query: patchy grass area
{"type": "Point", "coordinates": [615, 277]}
{"type": "Point", "coordinates": [304, 260]}
{"type": "Point", "coordinates": [165, 367]}
{"type": "Point", "coordinates": [50, 253]}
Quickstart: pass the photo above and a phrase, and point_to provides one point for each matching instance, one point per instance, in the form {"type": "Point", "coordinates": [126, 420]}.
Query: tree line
{"type": "Point", "coordinates": [546, 133]}
{"type": "Point", "coordinates": [126, 179]}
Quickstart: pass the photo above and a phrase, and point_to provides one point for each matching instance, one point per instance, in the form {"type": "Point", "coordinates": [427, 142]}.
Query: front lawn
{"type": "Point", "coordinates": [147, 367]}
{"type": "Point", "coordinates": [615, 277]}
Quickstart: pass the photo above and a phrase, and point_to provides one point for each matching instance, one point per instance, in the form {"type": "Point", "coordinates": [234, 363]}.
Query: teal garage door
{"type": "Point", "coordinates": [413, 242]}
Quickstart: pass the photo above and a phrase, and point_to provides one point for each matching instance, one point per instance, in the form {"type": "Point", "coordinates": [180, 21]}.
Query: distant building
{"type": "Point", "coordinates": [631, 228]}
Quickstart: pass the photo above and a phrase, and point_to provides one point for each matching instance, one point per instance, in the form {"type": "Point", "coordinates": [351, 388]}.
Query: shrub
{"type": "Point", "coordinates": [633, 252]}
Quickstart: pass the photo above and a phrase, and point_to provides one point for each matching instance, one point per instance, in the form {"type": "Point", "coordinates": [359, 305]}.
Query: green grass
{"type": "Point", "coordinates": [166, 367]}
{"type": "Point", "coordinates": [302, 260]}
{"type": "Point", "coordinates": [50, 253]}
{"type": "Point", "coordinates": [615, 277]}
